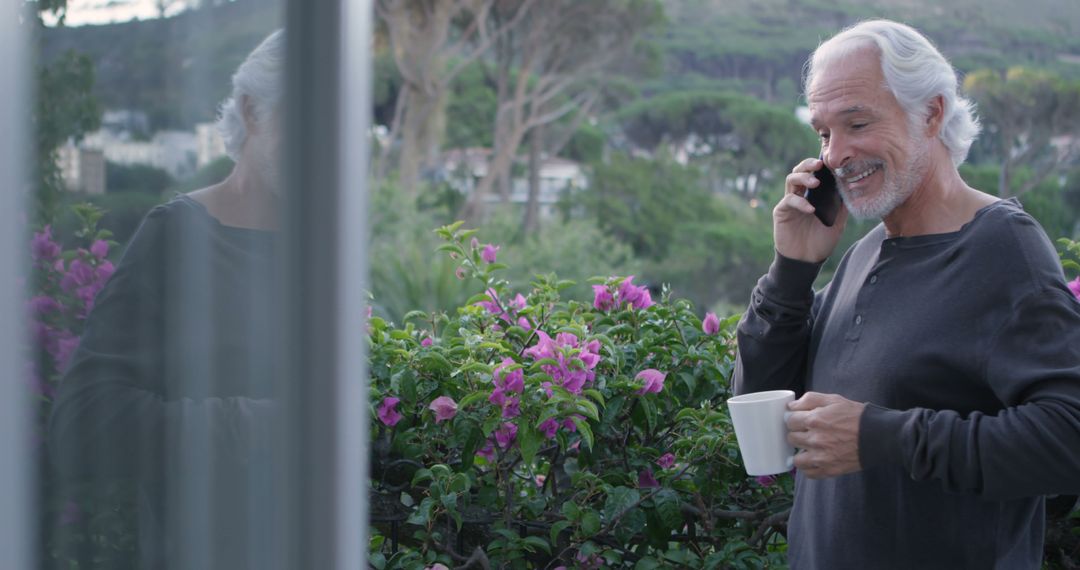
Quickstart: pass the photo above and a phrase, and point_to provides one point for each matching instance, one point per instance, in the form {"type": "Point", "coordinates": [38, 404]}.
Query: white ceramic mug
{"type": "Point", "coordinates": [761, 428]}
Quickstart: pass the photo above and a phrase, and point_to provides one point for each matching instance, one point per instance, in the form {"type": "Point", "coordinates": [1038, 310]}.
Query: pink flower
{"type": "Point", "coordinates": [645, 479]}
{"type": "Point", "coordinates": [492, 304]}
{"type": "Point", "coordinates": [42, 246]}
{"type": "Point", "coordinates": [544, 347]}
{"type": "Point", "coordinates": [79, 273]}
{"type": "Point", "coordinates": [460, 273]}
{"type": "Point", "coordinates": [504, 436]}
{"type": "Point", "coordinates": [488, 254]}
{"type": "Point", "coordinates": [43, 304]}
{"type": "Point", "coordinates": [654, 381]}
{"type": "Point", "coordinates": [711, 324]}
{"type": "Point", "coordinates": [540, 480]}
{"type": "Point", "coordinates": [426, 342]}
{"type": "Point", "coordinates": [569, 424]}
{"type": "Point", "coordinates": [64, 346]}
{"type": "Point", "coordinates": [666, 461]}
{"type": "Point", "coordinates": [437, 566]}
{"type": "Point", "coordinates": [518, 302]}
{"type": "Point", "coordinates": [388, 413]}
{"type": "Point", "coordinates": [445, 408]}
{"type": "Point", "coordinates": [99, 249]}
{"type": "Point", "coordinates": [765, 480]}
{"type": "Point", "coordinates": [104, 271]}
{"type": "Point", "coordinates": [511, 409]}
{"type": "Point", "coordinates": [549, 427]}
{"type": "Point", "coordinates": [638, 297]}
{"type": "Point", "coordinates": [1074, 286]}
{"type": "Point", "coordinates": [475, 243]}
{"type": "Point", "coordinates": [488, 451]}
{"type": "Point", "coordinates": [603, 300]}
{"type": "Point", "coordinates": [524, 323]}
{"type": "Point", "coordinates": [513, 381]}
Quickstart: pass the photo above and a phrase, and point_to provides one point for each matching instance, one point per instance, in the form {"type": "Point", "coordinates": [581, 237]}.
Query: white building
{"type": "Point", "coordinates": [82, 169]}
{"type": "Point", "coordinates": [463, 169]}
{"type": "Point", "coordinates": [209, 146]}
{"type": "Point", "coordinates": [172, 151]}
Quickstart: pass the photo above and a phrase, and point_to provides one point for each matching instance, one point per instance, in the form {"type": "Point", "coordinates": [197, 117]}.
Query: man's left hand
{"type": "Point", "coordinates": [825, 428]}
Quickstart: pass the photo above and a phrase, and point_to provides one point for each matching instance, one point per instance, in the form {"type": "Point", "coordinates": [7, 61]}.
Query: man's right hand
{"type": "Point", "coordinates": [797, 233]}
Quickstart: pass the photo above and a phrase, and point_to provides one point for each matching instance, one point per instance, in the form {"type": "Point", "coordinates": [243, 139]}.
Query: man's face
{"type": "Point", "coordinates": [866, 139]}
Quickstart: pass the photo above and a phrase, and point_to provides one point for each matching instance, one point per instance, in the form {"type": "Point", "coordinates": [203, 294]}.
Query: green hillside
{"type": "Point", "coordinates": [178, 69]}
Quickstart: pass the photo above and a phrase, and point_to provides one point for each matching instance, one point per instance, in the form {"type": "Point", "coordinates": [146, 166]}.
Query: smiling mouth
{"type": "Point", "coordinates": [861, 175]}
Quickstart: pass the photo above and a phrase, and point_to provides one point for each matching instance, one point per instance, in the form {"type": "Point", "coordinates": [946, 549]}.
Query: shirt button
{"type": "Point", "coordinates": [873, 279]}
{"type": "Point", "coordinates": [858, 319]}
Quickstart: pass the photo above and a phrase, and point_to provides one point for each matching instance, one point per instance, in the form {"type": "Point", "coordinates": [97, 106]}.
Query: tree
{"type": "Point", "coordinates": [731, 135]}
{"type": "Point", "coordinates": [64, 108]}
{"type": "Point", "coordinates": [1034, 117]}
{"type": "Point", "coordinates": [432, 42]}
{"type": "Point", "coordinates": [556, 66]}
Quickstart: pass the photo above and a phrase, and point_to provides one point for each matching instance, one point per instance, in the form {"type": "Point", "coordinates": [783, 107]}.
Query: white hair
{"type": "Point", "coordinates": [915, 71]}
{"type": "Point", "coordinates": [259, 78]}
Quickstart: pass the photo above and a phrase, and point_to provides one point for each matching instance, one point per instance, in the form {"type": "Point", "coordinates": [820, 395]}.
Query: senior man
{"type": "Point", "coordinates": [171, 385]}
{"type": "Point", "coordinates": [939, 370]}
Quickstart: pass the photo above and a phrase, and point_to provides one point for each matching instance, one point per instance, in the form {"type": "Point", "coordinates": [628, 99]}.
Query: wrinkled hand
{"type": "Point", "coordinates": [825, 428]}
{"type": "Point", "coordinates": [797, 233]}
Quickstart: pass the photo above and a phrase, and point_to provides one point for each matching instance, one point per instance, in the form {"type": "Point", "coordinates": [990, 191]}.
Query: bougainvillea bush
{"type": "Point", "coordinates": [82, 525]}
{"type": "Point", "coordinates": [531, 431]}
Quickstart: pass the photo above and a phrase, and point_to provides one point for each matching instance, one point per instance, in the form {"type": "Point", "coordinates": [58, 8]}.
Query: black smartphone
{"type": "Point", "coordinates": [825, 198]}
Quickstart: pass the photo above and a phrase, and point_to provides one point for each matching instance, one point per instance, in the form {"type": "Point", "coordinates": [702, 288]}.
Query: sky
{"type": "Point", "coordinates": [92, 12]}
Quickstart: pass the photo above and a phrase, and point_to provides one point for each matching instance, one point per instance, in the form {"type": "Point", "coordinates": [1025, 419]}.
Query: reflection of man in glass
{"type": "Point", "coordinates": [171, 384]}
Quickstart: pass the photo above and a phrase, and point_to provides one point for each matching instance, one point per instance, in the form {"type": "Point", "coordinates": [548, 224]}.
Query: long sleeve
{"type": "Point", "coordinates": [774, 333]}
{"type": "Point", "coordinates": [1032, 447]}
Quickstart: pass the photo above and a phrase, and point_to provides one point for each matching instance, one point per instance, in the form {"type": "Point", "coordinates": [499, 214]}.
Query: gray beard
{"type": "Point", "coordinates": [895, 190]}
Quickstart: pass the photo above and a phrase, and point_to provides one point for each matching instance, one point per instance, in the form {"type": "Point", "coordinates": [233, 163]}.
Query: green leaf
{"type": "Point", "coordinates": [435, 362]}
{"type": "Point", "coordinates": [686, 414]}
{"type": "Point", "coordinates": [584, 430]}
{"type": "Point", "coordinates": [590, 523]}
{"type": "Point", "coordinates": [414, 315]}
{"type": "Point", "coordinates": [537, 542]}
{"type": "Point", "coordinates": [473, 398]}
{"type": "Point", "coordinates": [557, 529]}
{"type": "Point", "coordinates": [571, 511]}
{"type": "Point", "coordinates": [423, 513]}
{"type": "Point", "coordinates": [595, 395]}
{"type": "Point", "coordinates": [647, 563]}
{"type": "Point", "coordinates": [459, 483]}
{"type": "Point", "coordinates": [619, 499]}
{"type": "Point", "coordinates": [473, 367]}
{"type": "Point", "coordinates": [420, 476]}
{"type": "Point", "coordinates": [530, 439]}
{"type": "Point", "coordinates": [588, 408]}
{"type": "Point", "coordinates": [667, 508]}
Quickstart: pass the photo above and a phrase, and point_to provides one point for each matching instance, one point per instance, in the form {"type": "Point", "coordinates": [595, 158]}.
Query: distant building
{"type": "Point", "coordinates": [463, 168]}
{"type": "Point", "coordinates": [172, 151]}
{"type": "Point", "coordinates": [82, 169]}
{"type": "Point", "coordinates": [208, 144]}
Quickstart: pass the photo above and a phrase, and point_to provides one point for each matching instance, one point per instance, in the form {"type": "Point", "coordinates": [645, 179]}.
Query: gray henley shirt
{"type": "Point", "coordinates": [966, 347]}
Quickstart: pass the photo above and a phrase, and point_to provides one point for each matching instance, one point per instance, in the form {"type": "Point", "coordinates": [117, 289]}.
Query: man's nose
{"type": "Point", "coordinates": [837, 153]}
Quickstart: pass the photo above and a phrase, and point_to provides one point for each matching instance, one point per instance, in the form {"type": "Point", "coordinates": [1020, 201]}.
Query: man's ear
{"type": "Point", "coordinates": [935, 117]}
{"type": "Point", "coordinates": [247, 109]}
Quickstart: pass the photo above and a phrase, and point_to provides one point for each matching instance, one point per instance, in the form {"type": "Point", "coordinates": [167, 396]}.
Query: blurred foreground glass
{"type": "Point", "coordinates": [184, 418]}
